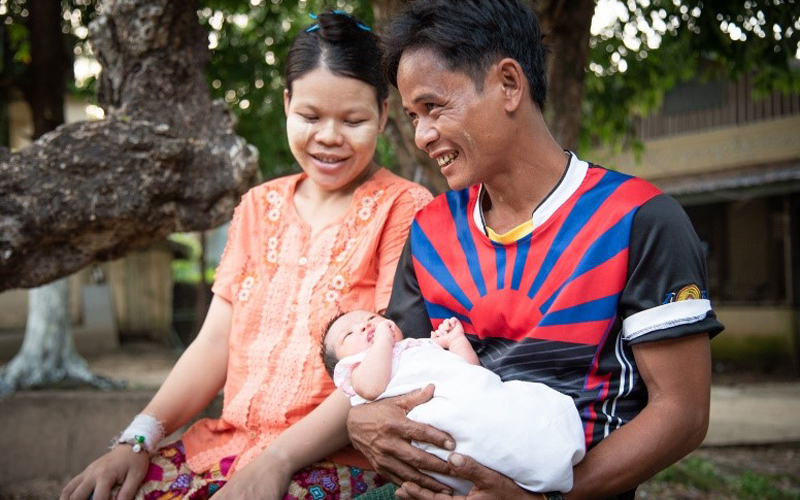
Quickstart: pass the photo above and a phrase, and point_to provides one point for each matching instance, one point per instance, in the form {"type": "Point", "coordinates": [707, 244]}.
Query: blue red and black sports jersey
{"type": "Point", "coordinates": [553, 306]}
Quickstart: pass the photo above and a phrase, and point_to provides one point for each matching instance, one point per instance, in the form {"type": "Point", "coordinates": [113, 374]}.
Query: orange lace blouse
{"type": "Point", "coordinates": [284, 287]}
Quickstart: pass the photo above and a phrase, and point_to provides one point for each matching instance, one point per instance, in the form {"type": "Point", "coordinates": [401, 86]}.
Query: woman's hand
{"type": "Point", "coordinates": [119, 466]}
{"type": "Point", "coordinates": [383, 434]}
{"type": "Point", "coordinates": [488, 484]}
{"type": "Point", "coordinates": [265, 478]}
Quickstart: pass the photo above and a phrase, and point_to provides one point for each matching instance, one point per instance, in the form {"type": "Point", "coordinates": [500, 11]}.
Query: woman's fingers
{"type": "Point", "coordinates": [128, 489]}
{"type": "Point", "coordinates": [80, 491]}
{"type": "Point", "coordinates": [102, 490]}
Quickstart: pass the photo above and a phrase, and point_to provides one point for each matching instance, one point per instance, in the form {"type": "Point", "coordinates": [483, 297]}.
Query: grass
{"type": "Point", "coordinates": [698, 478]}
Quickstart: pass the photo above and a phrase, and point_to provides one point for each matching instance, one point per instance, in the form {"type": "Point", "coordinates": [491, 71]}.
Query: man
{"type": "Point", "coordinates": [562, 272]}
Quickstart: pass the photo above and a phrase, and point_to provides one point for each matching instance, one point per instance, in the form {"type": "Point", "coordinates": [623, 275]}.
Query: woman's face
{"type": "Point", "coordinates": [333, 124]}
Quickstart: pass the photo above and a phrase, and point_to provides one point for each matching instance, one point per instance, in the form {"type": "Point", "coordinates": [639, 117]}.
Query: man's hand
{"type": "Point", "coordinates": [488, 484]}
{"type": "Point", "coordinates": [383, 434]}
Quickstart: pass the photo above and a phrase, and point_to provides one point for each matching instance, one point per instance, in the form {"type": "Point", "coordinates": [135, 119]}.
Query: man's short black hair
{"type": "Point", "coordinates": [470, 36]}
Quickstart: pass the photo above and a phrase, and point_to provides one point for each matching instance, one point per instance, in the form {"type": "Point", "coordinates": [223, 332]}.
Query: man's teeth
{"type": "Point", "coordinates": [446, 160]}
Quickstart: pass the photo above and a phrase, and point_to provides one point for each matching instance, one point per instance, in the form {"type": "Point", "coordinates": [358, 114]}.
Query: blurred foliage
{"type": "Point", "coordinates": [656, 44]}
{"type": "Point", "coordinates": [15, 54]}
{"type": "Point", "coordinates": [651, 47]}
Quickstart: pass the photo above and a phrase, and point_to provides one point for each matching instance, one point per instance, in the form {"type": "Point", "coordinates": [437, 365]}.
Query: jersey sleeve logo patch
{"type": "Point", "coordinates": [689, 292]}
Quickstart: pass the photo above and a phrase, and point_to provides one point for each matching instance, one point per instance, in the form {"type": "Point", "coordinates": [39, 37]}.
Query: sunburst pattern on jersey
{"type": "Point", "coordinates": [551, 294]}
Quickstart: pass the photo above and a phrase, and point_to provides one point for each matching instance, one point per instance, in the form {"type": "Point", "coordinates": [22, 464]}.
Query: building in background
{"type": "Point", "coordinates": [733, 161]}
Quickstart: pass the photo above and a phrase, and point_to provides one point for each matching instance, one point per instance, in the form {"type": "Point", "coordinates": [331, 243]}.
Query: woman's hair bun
{"type": "Point", "coordinates": [338, 27]}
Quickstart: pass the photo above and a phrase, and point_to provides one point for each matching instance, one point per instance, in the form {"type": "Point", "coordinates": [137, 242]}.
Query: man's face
{"type": "Point", "coordinates": [459, 127]}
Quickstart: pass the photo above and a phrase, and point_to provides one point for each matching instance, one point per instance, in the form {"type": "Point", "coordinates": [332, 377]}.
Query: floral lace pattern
{"type": "Point", "coordinates": [284, 287]}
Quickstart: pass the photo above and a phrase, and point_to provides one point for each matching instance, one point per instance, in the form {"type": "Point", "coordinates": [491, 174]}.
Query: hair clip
{"type": "Point", "coordinates": [315, 26]}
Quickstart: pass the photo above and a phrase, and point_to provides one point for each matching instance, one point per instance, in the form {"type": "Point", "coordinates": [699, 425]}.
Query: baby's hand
{"type": "Point", "coordinates": [449, 330]}
{"type": "Point", "coordinates": [387, 329]}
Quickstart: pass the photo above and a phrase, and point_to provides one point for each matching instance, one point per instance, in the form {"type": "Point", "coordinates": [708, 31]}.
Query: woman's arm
{"type": "Point", "coordinates": [199, 374]}
{"type": "Point", "coordinates": [316, 436]}
{"type": "Point", "coordinates": [371, 377]}
{"type": "Point", "coordinates": [194, 381]}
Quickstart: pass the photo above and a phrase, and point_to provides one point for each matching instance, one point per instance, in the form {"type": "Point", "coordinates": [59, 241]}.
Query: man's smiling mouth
{"type": "Point", "coordinates": [447, 159]}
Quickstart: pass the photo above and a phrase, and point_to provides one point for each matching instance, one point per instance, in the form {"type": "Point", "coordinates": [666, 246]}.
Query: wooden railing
{"type": "Point", "coordinates": [695, 106]}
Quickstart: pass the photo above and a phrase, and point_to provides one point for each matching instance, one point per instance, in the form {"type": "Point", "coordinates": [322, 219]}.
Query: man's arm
{"type": "Point", "coordinates": [677, 374]}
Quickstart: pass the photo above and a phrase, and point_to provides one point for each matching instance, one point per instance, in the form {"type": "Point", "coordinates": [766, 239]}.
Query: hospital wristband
{"type": "Point", "coordinates": [145, 432]}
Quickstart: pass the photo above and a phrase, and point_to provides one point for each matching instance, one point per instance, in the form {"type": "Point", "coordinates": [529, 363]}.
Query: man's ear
{"type": "Point", "coordinates": [512, 81]}
{"type": "Point", "coordinates": [286, 98]}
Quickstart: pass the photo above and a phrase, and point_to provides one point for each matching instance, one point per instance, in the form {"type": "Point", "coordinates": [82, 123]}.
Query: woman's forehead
{"type": "Point", "coordinates": [323, 89]}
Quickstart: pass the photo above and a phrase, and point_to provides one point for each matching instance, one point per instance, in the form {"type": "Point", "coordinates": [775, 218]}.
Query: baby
{"type": "Point", "coordinates": [527, 431]}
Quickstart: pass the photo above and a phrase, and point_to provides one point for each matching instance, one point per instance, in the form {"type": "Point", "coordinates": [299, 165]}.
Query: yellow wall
{"type": "Point", "coordinates": [756, 337]}
{"type": "Point", "coordinates": [756, 321]}
{"type": "Point", "coordinates": [719, 149]}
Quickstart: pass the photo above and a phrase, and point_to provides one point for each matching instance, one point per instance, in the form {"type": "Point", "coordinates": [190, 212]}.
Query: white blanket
{"type": "Point", "coordinates": [524, 430]}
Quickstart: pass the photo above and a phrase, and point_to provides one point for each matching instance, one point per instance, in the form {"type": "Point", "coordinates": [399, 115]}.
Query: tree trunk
{"type": "Point", "coordinates": [48, 354]}
{"type": "Point", "coordinates": [165, 159]}
{"type": "Point", "coordinates": [413, 163]}
{"type": "Point", "coordinates": [50, 63]}
{"type": "Point", "coordinates": [568, 28]}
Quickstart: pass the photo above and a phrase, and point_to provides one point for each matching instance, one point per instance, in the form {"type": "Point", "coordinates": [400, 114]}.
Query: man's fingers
{"type": "Point", "coordinates": [467, 468]}
{"type": "Point", "coordinates": [422, 460]}
{"type": "Point", "coordinates": [416, 398]}
{"type": "Point", "coordinates": [424, 434]}
{"type": "Point", "coordinates": [399, 472]}
{"type": "Point", "coordinates": [412, 491]}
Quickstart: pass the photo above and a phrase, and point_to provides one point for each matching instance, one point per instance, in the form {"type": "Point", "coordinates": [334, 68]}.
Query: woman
{"type": "Point", "coordinates": [300, 249]}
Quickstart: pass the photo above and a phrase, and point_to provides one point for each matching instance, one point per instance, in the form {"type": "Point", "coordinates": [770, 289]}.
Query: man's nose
{"type": "Point", "coordinates": [425, 134]}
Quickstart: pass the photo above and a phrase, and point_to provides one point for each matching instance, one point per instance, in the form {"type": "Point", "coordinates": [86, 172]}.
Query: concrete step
{"type": "Point", "coordinates": [58, 433]}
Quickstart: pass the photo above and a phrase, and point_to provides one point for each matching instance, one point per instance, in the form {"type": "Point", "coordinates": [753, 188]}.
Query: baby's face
{"type": "Point", "coordinates": [354, 332]}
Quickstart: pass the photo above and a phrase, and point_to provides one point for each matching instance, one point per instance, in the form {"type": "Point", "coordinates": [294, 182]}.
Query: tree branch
{"type": "Point", "coordinates": [165, 159]}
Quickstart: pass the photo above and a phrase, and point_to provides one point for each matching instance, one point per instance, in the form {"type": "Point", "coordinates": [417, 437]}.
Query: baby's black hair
{"type": "Point", "coordinates": [344, 45]}
{"type": "Point", "coordinates": [470, 36]}
{"type": "Point", "coordinates": [329, 358]}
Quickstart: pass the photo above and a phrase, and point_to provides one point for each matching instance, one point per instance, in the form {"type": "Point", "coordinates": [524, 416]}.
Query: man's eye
{"type": "Point", "coordinates": [309, 118]}
{"type": "Point", "coordinates": [430, 106]}
{"type": "Point", "coordinates": [354, 122]}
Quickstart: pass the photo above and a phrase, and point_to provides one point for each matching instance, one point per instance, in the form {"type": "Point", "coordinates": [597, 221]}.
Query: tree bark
{"type": "Point", "coordinates": [567, 27]}
{"type": "Point", "coordinates": [50, 64]}
{"type": "Point", "coordinates": [413, 163]}
{"type": "Point", "coordinates": [165, 159]}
